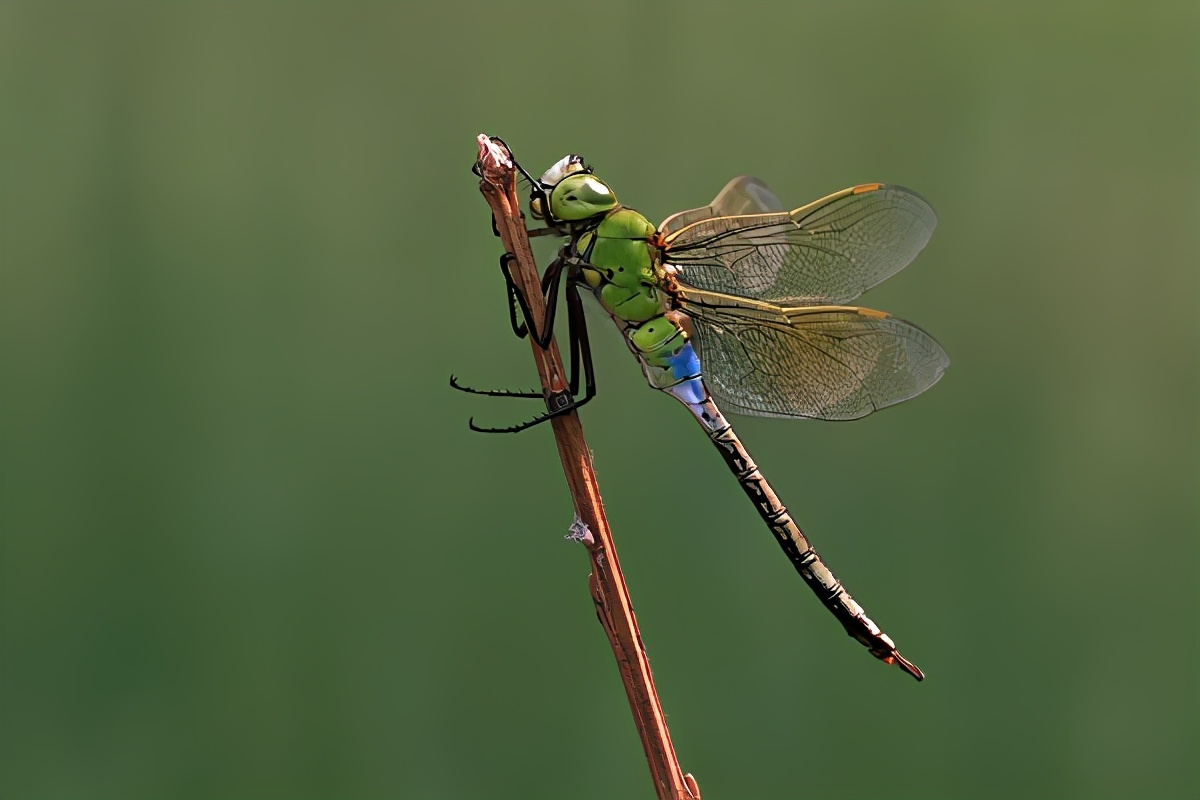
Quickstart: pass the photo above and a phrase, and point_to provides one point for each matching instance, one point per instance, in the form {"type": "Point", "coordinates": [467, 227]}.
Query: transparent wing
{"type": "Point", "coordinates": [742, 195]}
{"type": "Point", "coordinates": [823, 362]}
{"type": "Point", "coordinates": [830, 251]}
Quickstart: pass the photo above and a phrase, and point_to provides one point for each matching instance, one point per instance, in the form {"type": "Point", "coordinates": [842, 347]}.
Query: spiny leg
{"type": "Point", "coordinates": [550, 284]}
{"type": "Point", "coordinates": [559, 402]}
{"type": "Point", "coordinates": [531, 395]}
{"type": "Point", "coordinates": [581, 357]}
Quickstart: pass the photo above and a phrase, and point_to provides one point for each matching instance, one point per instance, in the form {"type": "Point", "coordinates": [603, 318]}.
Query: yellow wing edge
{"type": "Point", "coordinates": [862, 188]}
{"type": "Point", "coordinates": [703, 297]}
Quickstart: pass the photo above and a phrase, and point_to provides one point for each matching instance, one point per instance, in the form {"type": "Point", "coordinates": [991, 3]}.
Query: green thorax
{"type": "Point", "coordinates": [623, 271]}
{"type": "Point", "coordinates": [622, 266]}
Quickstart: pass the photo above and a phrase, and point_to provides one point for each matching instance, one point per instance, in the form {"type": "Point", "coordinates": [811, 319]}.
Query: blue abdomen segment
{"type": "Point", "coordinates": [685, 368]}
{"type": "Point", "coordinates": [669, 360]}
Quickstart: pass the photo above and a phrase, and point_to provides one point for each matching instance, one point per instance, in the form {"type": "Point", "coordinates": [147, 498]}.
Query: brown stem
{"type": "Point", "coordinates": [607, 583]}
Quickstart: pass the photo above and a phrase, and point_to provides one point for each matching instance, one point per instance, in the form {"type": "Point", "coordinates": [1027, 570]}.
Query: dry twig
{"type": "Point", "coordinates": [607, 584]}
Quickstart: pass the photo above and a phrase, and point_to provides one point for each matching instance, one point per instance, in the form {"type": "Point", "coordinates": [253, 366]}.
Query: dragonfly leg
{"type": "Point", "coordinates": [581, 347]}
{"type": "Point", "coordinates": [538, 420]}
{"type": "Point", "coordinates": [542, 334]}
{"type": "Point", "coordinates": [581, 361]}
{"type": "Point", "coordinates": [519, 328]}
{"type": "Point", "coordinates": [495, 392]}
{"type": "Point", "coordinates": [559, 403]}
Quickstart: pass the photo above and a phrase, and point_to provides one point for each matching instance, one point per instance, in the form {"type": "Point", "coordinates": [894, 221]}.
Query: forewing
{"type": "Point", "coordinates": [830, 251]}
{"type": "Point", "coordinates": [834, 363]}
{"type": "Point", "coordinates": [742, 195]}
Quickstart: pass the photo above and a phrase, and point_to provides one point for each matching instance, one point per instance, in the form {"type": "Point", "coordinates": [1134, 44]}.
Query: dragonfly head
{"type": "Point", "coordinates": [572, 193]}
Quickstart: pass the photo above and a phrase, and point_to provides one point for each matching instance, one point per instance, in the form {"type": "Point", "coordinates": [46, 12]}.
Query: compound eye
{"type": "Point", "coordinates": [597, 188]}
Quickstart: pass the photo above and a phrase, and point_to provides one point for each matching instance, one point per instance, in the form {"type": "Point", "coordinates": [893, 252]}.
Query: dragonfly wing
{"type": "Point", "coordinates": [830, 251]}
{"type": "Point", "coordinates": [742, 195]}
{"type": "Point", "coordinates": [821, 362]}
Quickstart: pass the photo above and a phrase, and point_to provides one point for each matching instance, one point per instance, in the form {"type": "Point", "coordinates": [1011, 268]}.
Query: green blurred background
{"type": "Point", "coordinates": [251, 550]}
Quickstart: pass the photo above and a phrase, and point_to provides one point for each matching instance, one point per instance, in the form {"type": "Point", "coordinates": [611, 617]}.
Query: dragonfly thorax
{"type": "Point", "coordinates": [619, 265]}
{"type": "Point", "coordinates": [622, 263]}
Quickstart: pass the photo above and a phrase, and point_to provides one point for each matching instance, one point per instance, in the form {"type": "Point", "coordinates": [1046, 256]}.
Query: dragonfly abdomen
{"type": "Point", "coordinates": [804, 557]}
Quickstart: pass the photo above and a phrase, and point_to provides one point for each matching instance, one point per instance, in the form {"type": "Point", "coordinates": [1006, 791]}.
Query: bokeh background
{"type": "Point", "coordinates": [250, 548]}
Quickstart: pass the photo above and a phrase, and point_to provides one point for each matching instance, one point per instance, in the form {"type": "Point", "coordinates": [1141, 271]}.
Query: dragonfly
{"type": "Point", "coordinates": [740, 305]}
